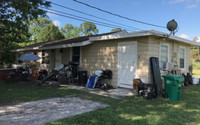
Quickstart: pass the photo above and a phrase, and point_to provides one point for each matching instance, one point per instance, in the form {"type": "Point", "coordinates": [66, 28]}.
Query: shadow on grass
{"type": "Point", "coordinates": [13, 93]}
{"type": "Point", "coordinates": [130, 110]}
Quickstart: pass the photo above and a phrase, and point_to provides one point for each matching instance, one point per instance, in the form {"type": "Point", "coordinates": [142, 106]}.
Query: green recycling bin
{"type": "Point", "coordinates": [173, 86]}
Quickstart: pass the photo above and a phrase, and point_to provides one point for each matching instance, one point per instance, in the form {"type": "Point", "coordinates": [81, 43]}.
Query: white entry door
{"type": "Point", "coordinates": [58, 58]}
{"type": "Point", "coordinates": [127, 63]}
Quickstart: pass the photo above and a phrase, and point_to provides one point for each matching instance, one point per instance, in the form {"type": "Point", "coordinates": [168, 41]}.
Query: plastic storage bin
{"type": "Point", "coordinates": [173, 86]}
{"type": "Point", "coordinates": [195, 80]}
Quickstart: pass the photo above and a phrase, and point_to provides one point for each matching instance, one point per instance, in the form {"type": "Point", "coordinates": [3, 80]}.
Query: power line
{"type": "Point", "coordinates": [80, 19]}
{"type": "Point", "coordinates": [92, 15]}
{"type": "Point", "coordinates": [84, 18]}
{"type": "Point", "coordinates": [105, 11]}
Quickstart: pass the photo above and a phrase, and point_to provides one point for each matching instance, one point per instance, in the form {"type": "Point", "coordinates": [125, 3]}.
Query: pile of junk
{"type": "Point", "coordinates": [69, 74]}
{"type": "Point", "coordinates": [164, 85]}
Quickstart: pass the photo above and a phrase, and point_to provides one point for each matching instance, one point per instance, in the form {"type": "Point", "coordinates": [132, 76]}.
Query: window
{"type": "Point", "coordinates": [76, 54]}
{"type": "Point", "coordinates": [45, 57]}
{"type": "Point", "coordinates": [181, 57]}
{"type": "Point", "coordinates": [164, 56]}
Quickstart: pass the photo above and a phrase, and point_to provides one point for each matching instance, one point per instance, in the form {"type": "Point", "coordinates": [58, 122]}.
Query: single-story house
{"type": "Point", "coordinates": [125, 54]}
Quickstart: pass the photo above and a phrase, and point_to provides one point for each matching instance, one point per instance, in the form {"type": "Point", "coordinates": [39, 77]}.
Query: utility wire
{"type": "Point", "coordinates": [80, 19]}
{"type": "Point", "coordinates": [92, 15]}
{"type": "Point", "coordinates": [83, 18]}
{"type": "Point", "coordinates": [114, 14]}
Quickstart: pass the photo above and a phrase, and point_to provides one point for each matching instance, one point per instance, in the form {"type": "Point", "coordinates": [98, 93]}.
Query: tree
{"type": "Point", "coordinates": [76, 31]}
{"type": "Point", "coordinates": [14, 14]}
{"type": "Point", "coordinates": [70, 31]}
{"type": "Point", "coordinates": [36, 25]}
{"type": "Point", "coordinates": [116, 29]}
{"type": "Point", "coordinates": [50, 32]}
{"type": "Point", "coordinates": [196, 39]}
{"type": "Point", "coordinates": [88, 28]}
{"type": "Point", "coordinates": [13, 17]}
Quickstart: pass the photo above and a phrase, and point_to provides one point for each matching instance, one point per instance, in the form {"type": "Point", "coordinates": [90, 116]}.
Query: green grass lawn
{"type": "Point", "coordinates": [196, 73]}
{"type": "Point", "coordinates": [130, 110]}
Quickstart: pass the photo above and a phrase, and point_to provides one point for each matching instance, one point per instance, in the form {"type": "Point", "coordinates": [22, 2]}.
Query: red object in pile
{"type": "Point", "coordinates": [34, 75]}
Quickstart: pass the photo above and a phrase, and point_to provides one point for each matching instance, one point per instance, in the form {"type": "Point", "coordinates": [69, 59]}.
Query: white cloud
{"type": "Point", "coordinates": [192, 6]}
{"type": "Point", "coordinates": [189, 3]}
{"type": "Point", "coordinates": [184, 36]}
{"type": "Point", "coordinates": [57, 23]}
{"type": "Point", "coordinates": [176, 1]}
{"type": "Point", "coordinates": [198, 39]}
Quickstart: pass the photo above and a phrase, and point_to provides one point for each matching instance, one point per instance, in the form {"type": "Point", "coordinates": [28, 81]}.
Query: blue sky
{"type": "Point", "coordinates": [159, 12]}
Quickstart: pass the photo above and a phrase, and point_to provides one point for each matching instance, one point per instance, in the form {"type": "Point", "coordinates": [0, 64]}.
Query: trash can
{"type": "Point", "coordinates": [173, 86]}
{"type": "Point", "coordinates": [82, 77]}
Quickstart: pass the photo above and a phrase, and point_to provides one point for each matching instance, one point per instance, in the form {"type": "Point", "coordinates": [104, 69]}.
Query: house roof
{"type": "Point", "coordinates": [86, 40]}
{"type": "Point", "coordinates": [63, 43]}
{"type": "Point", "coordinates": [143, 33]}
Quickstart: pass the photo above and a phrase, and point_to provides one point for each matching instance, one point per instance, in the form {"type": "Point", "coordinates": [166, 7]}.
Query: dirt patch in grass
{"type": "Point", "coordinates": [44, 111]}
{"type": "Point", "coordinates": [190, 86]}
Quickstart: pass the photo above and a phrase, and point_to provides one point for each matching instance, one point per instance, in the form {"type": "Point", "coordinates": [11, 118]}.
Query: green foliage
{"type": "Point", "coordinates": [41, 30]}
{"type": "Point", "coordinates": [195, 39]}
{"type": "Point", "coordinates": [195, 56]}
{"type": "Point", "coordinates": [50, 32]}
{"type": "Point", "coordinates": [195, 60]}
{"type": "Point", "coordinates": [13, 17]}
{"type": "Point", "coordinates": [23, 44]}
{"type": "Point", "coordinates": [6, 55]}
{"type": "Point", "coordinates": [36, 25]}
{"type": "Point", "coordinates": [116, 29]}
{"type": "Point", "coordinates": [88, 28]}
{"type": "Point", "coordinates": [70, 31]}
{"type": "Point", "coordinates": [76, 31]}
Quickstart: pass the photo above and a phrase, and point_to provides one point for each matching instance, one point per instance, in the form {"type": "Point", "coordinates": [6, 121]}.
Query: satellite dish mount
{"type": "Point", "coordinates": [172, 26]}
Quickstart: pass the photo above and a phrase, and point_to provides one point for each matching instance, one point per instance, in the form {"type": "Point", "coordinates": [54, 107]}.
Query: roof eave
{"type": "Point", "coordinates": [141, 34]}
{"type": "Point", "coordinates": [83, 43]}
{"type": "Point", "coordinates": [25, 49]}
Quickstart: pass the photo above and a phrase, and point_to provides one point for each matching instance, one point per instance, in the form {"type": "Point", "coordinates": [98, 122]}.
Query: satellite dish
{"type": "Point", "coordinates": [172, 26]}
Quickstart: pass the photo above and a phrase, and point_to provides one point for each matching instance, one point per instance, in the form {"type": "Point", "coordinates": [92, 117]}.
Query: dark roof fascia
{"type": "Point", "coordinates": [37, 46]}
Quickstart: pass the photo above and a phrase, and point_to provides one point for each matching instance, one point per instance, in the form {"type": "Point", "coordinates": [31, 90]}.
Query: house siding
{"type": "Point", "coordinates": [101, 55]}
{"type": "Point", "coordinates": [66, 56]}
{"type": "Point", "coordinates": [154, 51]}
{"type": "Point", "coordinates": [104, 55]}
{"type": "Point", "coordinates": [143, 57]}
{"type": "Point", "coordinates": [52, 59]}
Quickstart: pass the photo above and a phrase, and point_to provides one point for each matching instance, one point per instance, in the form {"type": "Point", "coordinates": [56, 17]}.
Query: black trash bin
{"type": "Point", "coordinates": [82, 77]}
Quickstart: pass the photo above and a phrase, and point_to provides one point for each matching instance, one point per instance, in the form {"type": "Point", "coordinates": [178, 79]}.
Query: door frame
{"type": "Point", "coordinates": [59, 54]}
{"type": "Point", "coordinates": [118, 74]}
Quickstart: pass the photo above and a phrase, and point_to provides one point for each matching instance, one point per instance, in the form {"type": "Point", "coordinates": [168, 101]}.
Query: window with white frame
{"type": "Point", "coordinates": [181, 57]}
{"type": "Point", "coordinates": [164, 56]}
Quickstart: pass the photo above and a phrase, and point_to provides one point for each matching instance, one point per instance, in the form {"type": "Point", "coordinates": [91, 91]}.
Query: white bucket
{"type": "Point", "coordinates": [195, 80]}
